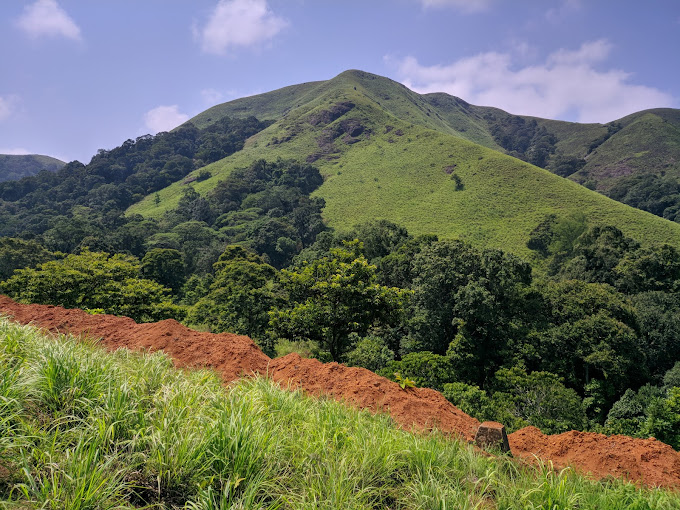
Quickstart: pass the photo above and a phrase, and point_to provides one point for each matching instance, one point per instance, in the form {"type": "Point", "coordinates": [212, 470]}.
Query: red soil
{"type": "Point", "coordinates": [646, 461]}
{"type": "Point", "coordinates": [233, 356]}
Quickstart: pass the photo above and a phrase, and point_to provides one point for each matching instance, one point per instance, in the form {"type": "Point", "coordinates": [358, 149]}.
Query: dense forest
{"type": "Point", "coordinates": [586, 336]}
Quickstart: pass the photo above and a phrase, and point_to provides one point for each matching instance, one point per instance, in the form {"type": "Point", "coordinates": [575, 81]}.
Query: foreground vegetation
{"type": "Point", "coordinates": [591, 345]}
{"type": "Point", "coordinates": [84, 429]}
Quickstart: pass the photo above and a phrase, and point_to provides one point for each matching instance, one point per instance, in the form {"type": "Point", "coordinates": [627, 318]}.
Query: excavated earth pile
{"type": "Point", "coordinates": [645, 461]}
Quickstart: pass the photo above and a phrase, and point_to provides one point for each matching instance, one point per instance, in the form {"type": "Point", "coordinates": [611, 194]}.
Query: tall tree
{"type": "Point", "coordinates": [333, 298]}
{"type": "Point", "coordinates": [242, 292]}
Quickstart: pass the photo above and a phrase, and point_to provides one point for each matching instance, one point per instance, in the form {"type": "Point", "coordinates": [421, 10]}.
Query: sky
{"type": "Point", "coordinates": [83, 75]}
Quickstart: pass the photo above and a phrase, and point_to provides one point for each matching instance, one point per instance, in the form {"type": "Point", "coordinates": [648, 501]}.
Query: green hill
{"type": "Point", "coordinates": [387, 152]}
{"type": "Point", "coordinates": [647, 142]}
{"type": "Point", "coordinates": [14, 167]}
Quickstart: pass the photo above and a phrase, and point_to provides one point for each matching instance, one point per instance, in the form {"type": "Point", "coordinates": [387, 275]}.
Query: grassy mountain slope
{"type": "Point", "coordinates": [271, 105]}
{"type": "Point", "coordinates": [380, 165]}
{"type": "Point", "coordinates": [648, 142]}
{"type": "Point", "coordinates": [14, 167]}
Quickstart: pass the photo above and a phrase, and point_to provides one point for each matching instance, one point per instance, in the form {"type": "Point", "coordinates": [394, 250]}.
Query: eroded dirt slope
{"type": "Point", "coordinates": [233, 356]}
{"type": "Point", "coordinates": [641, 460]}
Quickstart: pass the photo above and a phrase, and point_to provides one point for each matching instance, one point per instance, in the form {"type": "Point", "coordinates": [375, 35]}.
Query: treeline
{"type": "Point", "coordinates": [658, 195]}
{"type": "Point", "coordinates": [592, 345]}
{"type": "Point", "coordinates": [66, 209]}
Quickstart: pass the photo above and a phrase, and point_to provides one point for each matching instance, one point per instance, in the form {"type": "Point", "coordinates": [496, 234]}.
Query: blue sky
{"type": "Point", "coordinates": [79, 75]}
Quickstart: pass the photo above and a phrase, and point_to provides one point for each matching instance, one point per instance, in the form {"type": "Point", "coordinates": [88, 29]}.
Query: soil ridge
{"type": "Point", "coordinates": [645, 461]}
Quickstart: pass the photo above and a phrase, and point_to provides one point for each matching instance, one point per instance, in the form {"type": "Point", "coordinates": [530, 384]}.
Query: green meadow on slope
{"type": "Point", "coordinates": [388, 157]}
{"type": "Point", "coordinates": [647, 141]}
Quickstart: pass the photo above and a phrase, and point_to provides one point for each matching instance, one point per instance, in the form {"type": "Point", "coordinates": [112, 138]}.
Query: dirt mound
{"type": "Point", "coordinates": [639, 460]}
{"type": "Point", "coordinates": [234, 355]}
{"type": "Point", "coordinates": [231, 355]}
{"type": "Point", "coordinates": [642, 460]}
{"type": "Point", "coordinates": [421, 408]}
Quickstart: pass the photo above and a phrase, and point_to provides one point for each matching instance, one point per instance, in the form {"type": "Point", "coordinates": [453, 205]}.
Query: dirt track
{"type": "Point", "coordinates": [642, 460]}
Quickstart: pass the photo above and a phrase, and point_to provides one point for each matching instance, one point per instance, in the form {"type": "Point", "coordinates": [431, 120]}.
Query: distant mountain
{"type": "Point", "coordinates": [435, 163]}
{"type": "Point", "coordinates": [14, 167]}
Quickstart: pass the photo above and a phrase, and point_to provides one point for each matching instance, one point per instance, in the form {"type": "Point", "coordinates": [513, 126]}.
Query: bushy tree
{"type": "Point", "coordinates": [655, 268]}
{"type": "Point", "coordinates": [424, 368]}
{"type": "Point", "coordinates": [591, 340]}
{"type": "Point", "coordinates": [537, 398]}
{"type": "Point", "coordinates": [369, 352]}
{"type": "Point", "coordinates": [518, 398]}
{"type": "Point", "coordinates": [241, 293]}
{"type": "Point", "coordinates": [663, 418]}
{"type": "Point", "coordinates": [18, 254]}
{"type": "Point", "coordinates": [164, 266]}
{"type": "Point", "coordinates": [94, 280]}
{"type": "Point", "coordinates": [628, 415]}
{"type": "Point", "coordinates": [333, 298]}
{"type": "Point", "coordinates": [472, 305]}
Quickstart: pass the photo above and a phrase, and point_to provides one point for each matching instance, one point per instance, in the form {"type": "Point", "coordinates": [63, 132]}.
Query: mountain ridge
{"type": "Point", "coordinates": [14, 166]}
{"type": "Point", "coordinates": [378, 164]}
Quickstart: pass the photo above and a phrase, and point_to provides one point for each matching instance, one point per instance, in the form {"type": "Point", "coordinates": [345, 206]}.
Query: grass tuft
{"type": "Point", "coordinates": [84, 429]}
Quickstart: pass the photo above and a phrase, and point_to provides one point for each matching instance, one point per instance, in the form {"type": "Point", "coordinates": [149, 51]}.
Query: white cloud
{"type": "Point", "coordinates": [5, 108]}
{"type": "Point", "coordinates": [212, 96]}
{"type": "Point", "coordinates": [589, 53]}
{"type": "Point", "coordinates": [559, 13]}
{"type": "Point", "coordinates": [235, 23]}
{"type": "Point", "coordinates": [164, 118]}
{"type": "Point", "coordinates": [46, 18]}
{"type": "Point", "coordinates": [566, 84]}
{"type": "Point", "coordinates": [463, 5]}
{"type": "Point", "coordinates": [8, 106]}
{"type": "Point", "coordinates": [15, 151]}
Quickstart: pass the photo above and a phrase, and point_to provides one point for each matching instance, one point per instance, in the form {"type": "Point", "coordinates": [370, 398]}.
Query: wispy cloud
{"type": "Point", "coordinates": [238, 23]}
{"type": "Point", "coordinates": [212, 96]}
{"type": "Point", "coordinates": [15, 151]}
{"type": "Point", "coordinates": [563, 10]}
{"type": "Point", "coordinates": [46, 18]}
{"type": "Point", "coordinates": [567, 83]}
{"type": "Point", "coordinates": [461, 5]}
{"type": "Point", "coordinates": [164, 118]}
{"type": "Point", "coordinates": [7, 106]}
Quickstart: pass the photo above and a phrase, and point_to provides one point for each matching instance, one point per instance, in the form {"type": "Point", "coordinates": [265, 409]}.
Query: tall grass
{"type": "Point", "coordinates": [84, 429]}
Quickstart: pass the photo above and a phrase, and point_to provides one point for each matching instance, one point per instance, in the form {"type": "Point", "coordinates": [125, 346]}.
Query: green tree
{"type": "Point", "coordinates": [473, 305]}
{"type": "Point", "coordinates": [370, 352]}
{"type": "Point", "coordinates": [658, 317]}
{"type": "Point", "coordinates": [649, 269]}
{"type": "Point", "coordinates": [424, 368]}
{"type": "Point", "coordinates": [94, 280]}
{"type": "Point", "coordinates": [596, 254]}
{"type": "Point", "coordinates": [333, 298]}
{"type": "Point", "coordinates": [18, 254]}
{"type": "Point", "coordinates": [518, 398]}
{"type": "Point", "coordinates": [628, 415]}
{"type": "Point", "coordinates": [663, 418]}
{"type": "Point", "coordinates": [164, 266]}
{"type": "Point", "coordinates": [241, 294]}
{"type": "Point", "coordinates": [536, 398]}
{"type": "Point", "coordinates": [591, 340]}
